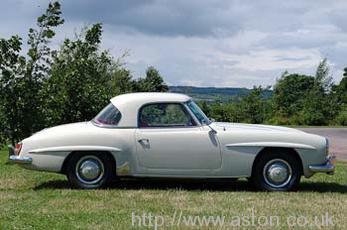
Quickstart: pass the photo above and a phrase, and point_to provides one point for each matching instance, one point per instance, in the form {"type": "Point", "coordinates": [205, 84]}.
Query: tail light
{"type": "Point", "coordinates": [17, 148]}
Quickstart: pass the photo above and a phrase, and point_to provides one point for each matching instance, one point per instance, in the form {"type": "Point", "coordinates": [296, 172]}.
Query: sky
{"type": "Point", "coordinates": [225, 43]}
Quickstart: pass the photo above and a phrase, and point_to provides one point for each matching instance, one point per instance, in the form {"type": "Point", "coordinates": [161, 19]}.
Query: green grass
{"type": "Point", "coordinates": [37, 200]}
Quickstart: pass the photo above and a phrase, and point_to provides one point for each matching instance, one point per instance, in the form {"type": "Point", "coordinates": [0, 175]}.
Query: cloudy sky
{"type": "Point", "coordinates": [236, 43]}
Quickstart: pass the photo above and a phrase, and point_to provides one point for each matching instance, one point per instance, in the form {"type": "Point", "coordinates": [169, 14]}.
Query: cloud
{"type": "Point", "coordinates": [164, 18]}
{"type": "Point", "coordinates": [210, 43]}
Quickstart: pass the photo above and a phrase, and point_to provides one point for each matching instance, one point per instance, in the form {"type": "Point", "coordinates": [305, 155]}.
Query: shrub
{"type": "Point", "coordinates": [341, 119]}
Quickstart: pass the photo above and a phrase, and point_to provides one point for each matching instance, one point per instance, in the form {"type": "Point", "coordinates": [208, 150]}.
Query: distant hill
{"type": "Point", "coordinates": [212, 94]}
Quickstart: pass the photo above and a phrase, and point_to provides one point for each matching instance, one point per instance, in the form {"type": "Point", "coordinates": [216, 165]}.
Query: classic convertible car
{"type": "Point", "coordinates": [167, 135]}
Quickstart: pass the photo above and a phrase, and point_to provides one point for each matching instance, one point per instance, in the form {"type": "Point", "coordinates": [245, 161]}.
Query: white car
{"type": "Point", "coordinates": [167, 135]}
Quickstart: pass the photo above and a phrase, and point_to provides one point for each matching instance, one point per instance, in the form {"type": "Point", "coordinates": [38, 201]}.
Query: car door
{"type": "Point", "coordinates": [168, 138]}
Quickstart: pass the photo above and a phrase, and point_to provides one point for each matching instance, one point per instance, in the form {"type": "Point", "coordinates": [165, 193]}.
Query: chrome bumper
{"type": "Point", "coordinates": [13, 158]}
{"type": "Point", "coordinates": [328, 167]}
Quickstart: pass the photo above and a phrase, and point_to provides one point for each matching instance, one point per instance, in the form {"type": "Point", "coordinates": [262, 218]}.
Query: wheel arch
{"type": "Point", "coordinates": [67, 159]}
{"type": "Point", "coordinates": [284, 150]}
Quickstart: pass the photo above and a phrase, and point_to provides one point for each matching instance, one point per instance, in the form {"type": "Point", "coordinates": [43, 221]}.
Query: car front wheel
{"type": "Point", "coordinates": [90, 170]}
{"type": "Point", "coordinates": [277, 172]}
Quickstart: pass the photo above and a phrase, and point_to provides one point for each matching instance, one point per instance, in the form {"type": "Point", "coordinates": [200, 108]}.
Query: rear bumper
{"type": "Point", "coordinates": [15, 159]}
{"type": "Point", "coordinates": [328, 167]}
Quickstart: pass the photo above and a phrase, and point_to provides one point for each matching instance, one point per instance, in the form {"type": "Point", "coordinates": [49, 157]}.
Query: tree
{"type": "Point", "coordinates": [340, 93]}
{"type": "Point", "coordinates": [83, 79]}
{"type": "Point", "coordinates": [319, 107]}
{"type": "Point", "coordinates": [323, 80]}
{"type": "Point", "coordinates": [253, 107]}
{"type": "Point", "coordinates": [225, 112]}
{"type": "Point", "coordinates": [22, 79]}
{"type": "Point", "coordinates": [341, 89]}
{"type": "Point", "coordinates": [38, 67]}
{"type": "Point", "coordinates": [289, 93]}
{"type": "Point", "coordinates": [205, 108]}
{"type": "Point", "coordinates": [153, 82]}
{"type": "Point", "coordinates": [49, 87]}
{"type": "Point", "coordinates": [11, 68]}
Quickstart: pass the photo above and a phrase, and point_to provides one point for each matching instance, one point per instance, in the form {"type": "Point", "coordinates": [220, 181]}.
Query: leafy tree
{"type": "Point", "coordinates": [341, 118]}
{"type": "Point", "coordinates": [11, 67]}
{"type": "Point", "coordinates": [153, 82]}
{"type": "Point", "coordinates": [121, 81]}
{"type": "Point", "coordinates": [3, 137]}
{"type": "Point", "coordinates": [83, 79]}
{"type": "Point", "coordinates": [319, 106]}
{"type": "Point", "coordinates": [341, 89]}
{"type": "Point", "coordinates": [323, 80]}
{"type": "Point", "coordinates": [289, 93]}
{"type": "Point", "coordinates": [22, 79]}
{"type": "Point", "coordinates": [51, 87]}
{"type": "Point", "coordinates": [339, 92]}
{"type": "Point", "coordinates": [228, 112]}
{"type": "Point", "coordinates": [205, 108]}
{"type": "Point", "coordinates": [253, 107]}
{"type": "Point", "coordinates": [38, 67]}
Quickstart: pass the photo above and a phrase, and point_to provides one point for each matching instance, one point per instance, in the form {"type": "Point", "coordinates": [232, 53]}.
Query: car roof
{"type": "Point", "coordinates": [129, 104]}
{"type": "Point", "coordinates": [144, 98]}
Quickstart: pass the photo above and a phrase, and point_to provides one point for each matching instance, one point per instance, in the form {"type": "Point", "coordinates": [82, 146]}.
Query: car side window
{"type": "Point", "coordinates": [165, 115]}
{"type": "Point", "coordinates": [109, 116]}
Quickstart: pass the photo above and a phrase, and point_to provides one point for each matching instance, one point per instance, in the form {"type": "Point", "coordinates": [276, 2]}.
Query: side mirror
{"type": "Point", "coordinates": [212, 119]}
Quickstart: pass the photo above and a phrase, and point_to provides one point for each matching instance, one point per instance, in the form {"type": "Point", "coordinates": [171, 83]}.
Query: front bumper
{"type": "Point", "coordinates": [328, 167]}
{"type": "Point", "coordinates": [15, 159]}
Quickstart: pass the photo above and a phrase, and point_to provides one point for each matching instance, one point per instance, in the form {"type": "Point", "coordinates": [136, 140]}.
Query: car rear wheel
{"type": "Point", "coordinates": [277, 172]}
{"type": "Point", "coordinates": [90, 170]}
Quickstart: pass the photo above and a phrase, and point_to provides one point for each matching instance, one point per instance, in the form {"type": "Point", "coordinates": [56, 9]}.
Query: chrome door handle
{"type": "Point", "coordinates": [143, 140]}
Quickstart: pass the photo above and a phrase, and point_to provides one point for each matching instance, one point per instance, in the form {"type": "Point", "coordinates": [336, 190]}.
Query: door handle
{"type": "Point", "coordinates": [143, 140]}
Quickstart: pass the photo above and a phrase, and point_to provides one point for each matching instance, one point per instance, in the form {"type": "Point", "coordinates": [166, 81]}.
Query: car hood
{"type": "Point", "coordinates": [252, 127]}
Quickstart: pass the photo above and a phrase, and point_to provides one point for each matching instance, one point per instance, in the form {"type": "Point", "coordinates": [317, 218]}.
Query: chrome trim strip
{"type": "Point", "coordinates": [270, 144]}
{"type": "Point", "coordinates": [20, 160]}
{"type": "Point", "coordinates": [71, 148]}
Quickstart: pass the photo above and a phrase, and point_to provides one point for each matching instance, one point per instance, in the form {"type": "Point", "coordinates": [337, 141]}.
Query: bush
{"type": "Point", "coordinates": [341, 119]}
{"type": "Point", "coordinates": [278, 120]}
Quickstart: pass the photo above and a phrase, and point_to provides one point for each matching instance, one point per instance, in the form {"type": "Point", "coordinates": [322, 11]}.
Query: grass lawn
{"type": "Point", "coordinates": [37, 200]}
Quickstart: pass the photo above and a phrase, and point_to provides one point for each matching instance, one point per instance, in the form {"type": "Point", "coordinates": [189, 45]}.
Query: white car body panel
{"type": "Point", "coordinates": [181, 150]}
{"type": "Point", "coordinates": [196, 152]}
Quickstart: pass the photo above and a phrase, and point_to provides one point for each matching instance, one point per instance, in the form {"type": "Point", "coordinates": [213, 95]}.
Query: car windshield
{"type": "Point", "coordinates": [199, 114]}
{"type": "Point", "coordinates": [110, 115]}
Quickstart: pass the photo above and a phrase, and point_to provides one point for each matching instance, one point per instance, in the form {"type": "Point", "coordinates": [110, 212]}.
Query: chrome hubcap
{"type": "Point", "coordinates": [277, 173]}
{"type": "Point", "coordinates": [89, 169]}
